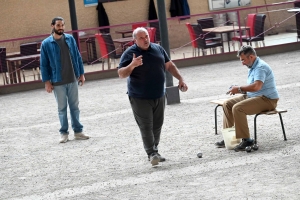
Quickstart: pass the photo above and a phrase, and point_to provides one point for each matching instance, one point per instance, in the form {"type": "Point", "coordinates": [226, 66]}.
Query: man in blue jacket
{"type": "Point", "coordinates": [62, 71]}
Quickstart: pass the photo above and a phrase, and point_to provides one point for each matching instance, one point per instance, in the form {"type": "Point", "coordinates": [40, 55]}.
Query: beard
{"type": "Point", "coordinates": [249, 65]}
{"type": "Point", "coordinates": [58, 32]}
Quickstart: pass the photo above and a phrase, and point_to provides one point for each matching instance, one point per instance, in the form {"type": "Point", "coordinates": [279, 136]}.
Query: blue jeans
{"type": "Point", "coordinates": [68, 94]}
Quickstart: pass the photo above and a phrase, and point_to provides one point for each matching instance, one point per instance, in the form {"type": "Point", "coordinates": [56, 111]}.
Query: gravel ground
{"type": "Point", "coordinates": [112, 163]}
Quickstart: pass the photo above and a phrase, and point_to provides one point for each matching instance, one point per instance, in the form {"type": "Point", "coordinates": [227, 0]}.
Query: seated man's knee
{"type": "Point", "coordinates": [237, 108]}
{"type": "Point", "coordinates": [227, 104]}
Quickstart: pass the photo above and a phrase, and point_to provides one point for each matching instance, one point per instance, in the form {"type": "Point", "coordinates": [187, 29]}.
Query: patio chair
{"type": "Point", "coordinates": [204, 44]}
{"type": "Point", "coordinates": [259, 34]}
{"type": "Point", "coordinates": [208, 23]}
{"type": "Point", "coordinates": [297, 16]}
{"type": "Point", "coordinates": [107, 48]}
{"type": "Point", "coordinates": [3, 65]}
{"type": "Point", "coordinates": [157, 33]}
{"type": "Point", "coordinates": [249, 33]}
{"type": "Point", "coordinates": [193, 39]}
{"type": "Point", "coordinates": [33, 65]}
{"type": "Point", "coordinates": [151, 32]}
{"type": "Point", "coordinates": [134, 26]}
{"type": "Point", "coordinates": [143, 24]}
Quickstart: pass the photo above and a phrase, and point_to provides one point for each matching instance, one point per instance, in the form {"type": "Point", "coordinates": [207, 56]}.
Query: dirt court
{"type": "Point", "coordinates": [113, 165]}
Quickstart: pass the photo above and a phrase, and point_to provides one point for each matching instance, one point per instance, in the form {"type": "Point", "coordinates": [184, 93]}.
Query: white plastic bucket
{"type": "Point", "coordinates": [230, 138]}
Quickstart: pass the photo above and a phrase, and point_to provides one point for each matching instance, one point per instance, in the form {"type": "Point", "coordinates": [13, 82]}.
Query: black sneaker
{"type": "Point", "coordinates": [220, 144]}
{"type": "Point", "coordinates": [154, 159]}
{"type": "Point", "coordinates": [243, 145]}
{"type": "Point", "coordinates": [161, 159]}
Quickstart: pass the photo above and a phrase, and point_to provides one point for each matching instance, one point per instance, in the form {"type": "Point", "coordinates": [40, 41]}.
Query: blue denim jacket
{"type": "Point", "coordinates": [50, 59]}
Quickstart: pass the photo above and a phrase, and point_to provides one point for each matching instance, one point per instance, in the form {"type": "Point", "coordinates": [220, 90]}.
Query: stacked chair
{"type": "Point", "coordinates": [200, 41]}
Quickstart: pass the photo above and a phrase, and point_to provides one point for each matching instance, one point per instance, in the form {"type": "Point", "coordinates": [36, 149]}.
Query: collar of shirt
{"type": "Point", "coordinates": [141, 50]}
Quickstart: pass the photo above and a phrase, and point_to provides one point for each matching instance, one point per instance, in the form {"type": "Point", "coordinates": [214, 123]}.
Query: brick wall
{"type": "Point", "coordinates": [21, 18]}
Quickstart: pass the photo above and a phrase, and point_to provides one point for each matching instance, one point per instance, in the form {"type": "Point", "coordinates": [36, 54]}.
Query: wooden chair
{"type": "Point", "coordinates": [26, 50]}
{"type": "Point", "coordinates": [278, 111]}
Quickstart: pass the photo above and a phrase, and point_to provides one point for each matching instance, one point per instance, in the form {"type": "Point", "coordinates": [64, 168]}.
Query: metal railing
{"type": "Point", "coordinates": [280, 27]}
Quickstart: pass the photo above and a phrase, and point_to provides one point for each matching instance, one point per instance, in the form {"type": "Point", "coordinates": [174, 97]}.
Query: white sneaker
{"type": "Point", "coordinates": [154, 159]}
{"type": "Point", "coordinates": [64, 138]}
{"type": "Point", "coordinates": [81, 136]}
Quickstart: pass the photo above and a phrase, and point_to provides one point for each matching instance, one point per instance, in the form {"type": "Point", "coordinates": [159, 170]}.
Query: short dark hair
{"type": "Point", "coordinates": [56, 19]}
{"type": "Point", "coordinates": [246, 50]}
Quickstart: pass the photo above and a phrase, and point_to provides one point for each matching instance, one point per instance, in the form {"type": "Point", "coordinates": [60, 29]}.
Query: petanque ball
{"type": "Point", "coordinates": [248, 149]}
{"type": "Point", "coordinates": [199, 155]}
{"type": "Point", "coordinates": [255, 147]}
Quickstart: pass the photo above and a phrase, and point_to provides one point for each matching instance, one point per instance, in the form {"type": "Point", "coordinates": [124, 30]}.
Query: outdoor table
{"type": "Point", "coordinates": [123, 32]}
{"type": "Point", "coordinates": [123, 42]}
{"type": "Point", "coordinates": [14, 65]}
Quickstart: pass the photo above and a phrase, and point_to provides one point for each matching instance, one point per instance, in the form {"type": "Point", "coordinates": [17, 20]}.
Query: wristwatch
{"type": "Point", "coordinates": [240, 91]}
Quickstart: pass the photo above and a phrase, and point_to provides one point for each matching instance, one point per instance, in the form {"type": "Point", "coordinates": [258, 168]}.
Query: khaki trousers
{"type": "Point", "coordinates": [236, 110]}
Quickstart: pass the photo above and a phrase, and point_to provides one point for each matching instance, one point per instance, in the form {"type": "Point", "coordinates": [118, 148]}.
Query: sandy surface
{"type": "Point", "coordinates": [113, 165]}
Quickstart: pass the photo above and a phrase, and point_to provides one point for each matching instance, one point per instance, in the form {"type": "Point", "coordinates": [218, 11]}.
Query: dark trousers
{"type": "Point", "coordinates": [149, 115]}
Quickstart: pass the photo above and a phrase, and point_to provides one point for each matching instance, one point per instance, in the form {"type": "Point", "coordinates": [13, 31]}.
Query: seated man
{"type": "Point", "coordinates": [259, 95]}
